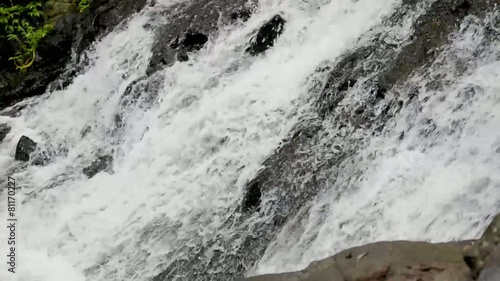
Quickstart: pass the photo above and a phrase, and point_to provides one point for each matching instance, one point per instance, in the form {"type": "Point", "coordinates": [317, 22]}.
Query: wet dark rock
{"type": "Point", "coordinates": [194, 41]}
{"type": "Point", "coordinates": [252, 198]}
{"type": "Point", "coordinates": [102, 163]}
{"type": "Point", "coordinates": [41, 158]}
{"type": "Point", "coordinates": [182, 56]}
{"type": "Point", "coordinates": [346, 85]}
{"type": "Point", "coordinates": [200, 18]}
{"type": "Point", "coordinates": [266, 36]}
{"type": "Point", "coordinates": [14, 111]}
{"type": "Point", "coordinates": [242, 15]}
{"type": "Point", "coordinates": [431, 33]}
{"type": "Point", "coordinates": [4, 131]}
{"type": "Point", "coordinates": [24, 148]}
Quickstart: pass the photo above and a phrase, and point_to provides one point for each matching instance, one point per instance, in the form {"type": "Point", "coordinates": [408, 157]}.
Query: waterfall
{"type": "Point", "coordinates": [187, 139]}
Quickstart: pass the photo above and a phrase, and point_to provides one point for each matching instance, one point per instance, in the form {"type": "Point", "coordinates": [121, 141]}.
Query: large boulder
{"type": "Point", "coordinates": [102, 163]}
{"type": "Point", "coordinates": [4, 130]}
{"type": "Point", "coordinates": [399, 260]}
{"type": "Point", "coordinates": [266, 35]}
{"type": "Point", "coordinates": [24, 148]}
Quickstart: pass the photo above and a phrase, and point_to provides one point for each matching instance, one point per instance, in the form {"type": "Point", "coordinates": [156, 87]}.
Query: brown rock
{"type": "Point", "coordinates": [386, 261]}
{"type": "Point", "coordinates": [476, 255]}
{"type": "Point", "coordinates": [491, 268]}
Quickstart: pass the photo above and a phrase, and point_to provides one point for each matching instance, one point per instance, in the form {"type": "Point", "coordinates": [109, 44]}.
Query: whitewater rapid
{"type": "Point", "coordinates": [181, 162]}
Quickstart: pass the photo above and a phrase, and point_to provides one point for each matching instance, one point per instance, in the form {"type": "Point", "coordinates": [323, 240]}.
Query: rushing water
{"type": "Point", "coordinates": [181, 161]}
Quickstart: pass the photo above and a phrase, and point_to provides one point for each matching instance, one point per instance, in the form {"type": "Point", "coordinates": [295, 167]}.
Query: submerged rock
{"type": "Point", "coordinates": [24, 148]}
{"type": "Point", "coordinates": [4, 130]}
{"type": "Point", "coordinates": [102, 163]}
{"type": "Point", "coordinates": [266, 36]}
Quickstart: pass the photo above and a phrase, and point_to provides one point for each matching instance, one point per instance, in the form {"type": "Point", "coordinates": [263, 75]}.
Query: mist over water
{"type": "Point", "coordinates": [184, 151]}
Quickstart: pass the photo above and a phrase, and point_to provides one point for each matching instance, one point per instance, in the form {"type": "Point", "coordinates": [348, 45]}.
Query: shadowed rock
{"type": "Point", "coordinates": [4, 130]}
{"type": "Point", "coordinates": [190, 24]}
{"type": "Point", "coordinates": [24, 148]}
{"type": "Point", "coordinates": [266, 36]}
{"type": "Point", "coordinates": [102, 163]}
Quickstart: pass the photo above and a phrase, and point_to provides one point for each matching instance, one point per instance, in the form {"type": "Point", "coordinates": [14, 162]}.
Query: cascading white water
{"type": "Point", "coordinates": [179, 165]}
{"type": "Point", "coordinates": [436, 182]}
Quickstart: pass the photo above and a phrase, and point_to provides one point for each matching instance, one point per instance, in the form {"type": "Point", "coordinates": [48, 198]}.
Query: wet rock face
{"type": "Point", "coordinates": [432, 32]}
{"type": "Point", "coordinates": [71, 30]}
{"type": "Point", "coordinates": [308, 161]}
{"type": "Point", "coordinates": [188, 27]}
{"type": "Point", "coordinates": [24, 148]}
{"type": "Point", "coordinates": [102, 163]}
{"type": "Point", "coordinates": [4, 130]}
{"type": "Point", "coordinates": [266, 36]}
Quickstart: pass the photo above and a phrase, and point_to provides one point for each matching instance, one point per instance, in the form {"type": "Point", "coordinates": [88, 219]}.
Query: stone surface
{"type": "Point", "coordinates": [4, 130]}
{"type": "Point", "coordinates": [102, 163]}
{"type": "Point", "coordinates": [385, 261]}
{"type": "Point", "coordinates": [24, 148]}
{"type": "Point", "coordinates": [267, 34]}
{"type": "Point", "coordinates": [479, 252]}
{"type": "Point", "coordinates": [491, 268]}
{"type": "Point", "coordinates": [201, 17]}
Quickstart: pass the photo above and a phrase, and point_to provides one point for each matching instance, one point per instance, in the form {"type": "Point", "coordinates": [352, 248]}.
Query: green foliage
{"type": "Point", "coordinates": [15, 22]}
{"type": "Point", "coordinates": [82, 5]}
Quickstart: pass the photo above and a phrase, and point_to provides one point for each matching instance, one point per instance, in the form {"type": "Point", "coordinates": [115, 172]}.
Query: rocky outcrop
{"type": "Point", "coordinates": [405, 260]}
{"type": "Point", "coordinates": [24, 148]}
{"type": "Point", "coordinates": [4, 130]}
{"type": "Point", "coordinates": [72, 31]}
{"type": "Point", "coordinates": [189, 25]}
{"type": "Point", "coordinates": [102, 163]}
{"type": "Point", "coordinates": [266, 35]}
